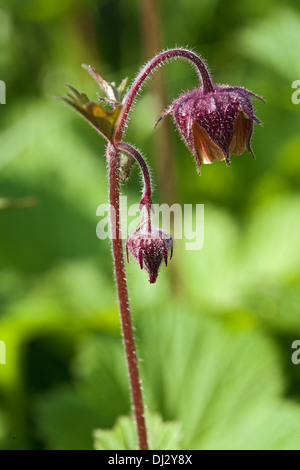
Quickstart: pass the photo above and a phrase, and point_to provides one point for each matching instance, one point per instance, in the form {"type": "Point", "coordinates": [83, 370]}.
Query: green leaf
{"type": "Point", "coordinates": [224, 385]}
{"type": "Point", "coordinates": [162, 436]}
{"type": "Point", "coordinates": [271, 245]}
{"type": "Point", "coordinates": [104, 84]}
{"type": "Point", "coordinates": [270, 263]}
{"type": "Point", "coordinates": [104, 121]}
{"type": "Point", "coordinates": [112, 92]}
{"type": "Point", "coordinates": [67, 420]}
{"type": "Point", "coordinates": [78, 96]}
{"type": "Point", "coordinates": [100, 394]}
{"type": "Point", "coordinates": [255, 269]}
{"type": "Point", "coordinates": [275, 304]}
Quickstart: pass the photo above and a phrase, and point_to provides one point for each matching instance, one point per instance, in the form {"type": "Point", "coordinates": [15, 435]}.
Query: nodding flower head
{"type": "Point", "coordinates": [149, 248]}
{"type": "Point", "coordinates": [215, 124]}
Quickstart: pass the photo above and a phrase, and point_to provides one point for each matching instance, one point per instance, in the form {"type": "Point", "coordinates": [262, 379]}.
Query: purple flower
{"type": "Point", "coordinates": [215, 124]}
{"type": "Point", "coordinates": [149, 249]}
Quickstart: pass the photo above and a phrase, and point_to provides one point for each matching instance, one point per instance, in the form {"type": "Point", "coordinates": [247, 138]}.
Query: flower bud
{"type": "Point", "coordinates": [149, 249]}
{"type": "Point", "coordinates": [215, 124]}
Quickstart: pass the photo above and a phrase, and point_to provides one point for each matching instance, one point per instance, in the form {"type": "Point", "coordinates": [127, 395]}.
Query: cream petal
{"type": "Point", "coordinates": [206, 149]}
{"type": "Point", "coordinates": [241, 130]}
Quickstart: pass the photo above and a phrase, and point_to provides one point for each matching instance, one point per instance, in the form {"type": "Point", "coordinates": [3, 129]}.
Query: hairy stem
{"type": "Point", "coordinates": [148, 68]}
{"type": "Point", "coordinates": [147, 194]}
{"type": "Point", "coordinates": [113, 159]}
{"type": "Point", "coordinates": [152, 34]}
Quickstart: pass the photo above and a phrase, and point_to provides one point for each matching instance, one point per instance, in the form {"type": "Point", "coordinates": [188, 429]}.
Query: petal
{"type": "Point", "coordinates": [242, 128]}
{"type": "Point", "coordinates": [207, 150]}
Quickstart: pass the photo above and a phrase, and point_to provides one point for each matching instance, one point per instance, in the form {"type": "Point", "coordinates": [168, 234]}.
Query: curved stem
{"type": "Point", "coordinates": [148, 68]}
{"type": "Point", "coordinates": [147, 195]}
{"type": "Point", "coordinates": [113, 160]}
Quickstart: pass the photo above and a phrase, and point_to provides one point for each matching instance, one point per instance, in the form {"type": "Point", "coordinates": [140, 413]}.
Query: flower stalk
{"type": "Point", "coordinates": [214, 121]}
{"type": "Point", "coordinates": [177, 53]}
{"type": "Point", "coordinates": [113, 159]}
{"type": "Point", "coordinates": [147, 192]}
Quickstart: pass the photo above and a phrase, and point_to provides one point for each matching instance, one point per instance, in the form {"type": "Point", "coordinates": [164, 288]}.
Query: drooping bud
{"type": "Point", "coordinates": [216, 124]}
{"type": "Point", "coordinates": [149, 249]}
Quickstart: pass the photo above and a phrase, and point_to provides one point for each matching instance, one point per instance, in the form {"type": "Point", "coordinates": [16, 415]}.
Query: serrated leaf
{"type": "Point", "coordinates": [107, 87]}
{"type": "Point", "coordinates": [112, 92]}
{"type": "Point", "coordinates": [102, 120]}
{"type": "Point", "coordinates": [78, 96]}
{"type": "Point", "coordinates": [224, 385]}
{"type": "Point", "coordinates": [162, 435]}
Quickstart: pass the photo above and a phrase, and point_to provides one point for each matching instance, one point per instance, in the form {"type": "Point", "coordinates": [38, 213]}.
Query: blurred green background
{"type": "Point", "coordinates": [215, 332]}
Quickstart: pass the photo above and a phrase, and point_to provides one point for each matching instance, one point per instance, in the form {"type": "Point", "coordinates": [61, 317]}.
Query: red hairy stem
{"type": "Point", "coordinates": [113, 160]}
{"type": "Point", "coordinates": [147, 194]}
{"type": "Point", "coordinates": [148, 68]}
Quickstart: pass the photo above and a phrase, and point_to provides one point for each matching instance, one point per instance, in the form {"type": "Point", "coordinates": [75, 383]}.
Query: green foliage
{"type": "Point", "coordinates": [223, 384]}
{"type": "Point", "coordinates": [101, 119]}
{"type": "Point", "coordinates": [239, 405]}
{"type": "Point", "coordinates": [162, 436]}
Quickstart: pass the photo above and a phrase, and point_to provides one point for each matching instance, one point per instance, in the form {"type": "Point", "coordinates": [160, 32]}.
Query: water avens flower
{"type": "Point", "coordinates": [214, 124]}
{"type": "Point", "coordinates": [215, 121]}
